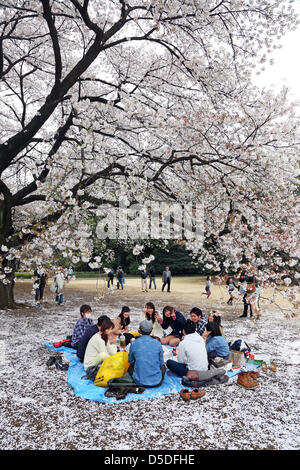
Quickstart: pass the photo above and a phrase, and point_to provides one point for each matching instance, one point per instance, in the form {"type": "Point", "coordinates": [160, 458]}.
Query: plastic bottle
{"type": "Point", "coordinates": [122, 341]}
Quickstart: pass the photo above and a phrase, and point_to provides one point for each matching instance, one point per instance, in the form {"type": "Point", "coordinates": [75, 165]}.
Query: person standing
{"type": "Point", "coordinates": [43, 282]}
{"type": "Point", "coordinates": [230, 287]}
{"type": "Point", "coordinates": [120, 278]}
{"type": "Point", "coordinates": [110, 281]}
{"type": "Point", "coordinates": [70, 273]}
{"type": "Point", "coordinates": [36, 287]}
{"type": "Point", "coordinates": [41, 277]}
{"type": "Point", "coordinates": [59, 286]}
{"type": "Point", "coordinates": [166, 278]}
{"type": "Point", "coordinates": [242, 288]}
{"type": "Point", "coordinates": [144, 275]}
{"type": "Point", "coordinates": [207, 287]}
{"type": "Point", "coordinates": [152, 277]}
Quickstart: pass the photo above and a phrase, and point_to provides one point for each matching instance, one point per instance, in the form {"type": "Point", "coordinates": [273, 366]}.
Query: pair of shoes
{"type": "Point", "coordinates": [117, 392]}
{"type": "Point", "coordinates": [254, 374]}
{"type": "Point", "coordinates": [59, 364]}
{"type": "Point", "coordinates": [246, 380]}
{"type": "Point", "coordinates": [272, 366]}
{"type": "Point", "coordinates": [196, 393]}
{"type": "Point", "coordinates": [244, 316]}
{"type": "Point", "coordinates": [51, 361]}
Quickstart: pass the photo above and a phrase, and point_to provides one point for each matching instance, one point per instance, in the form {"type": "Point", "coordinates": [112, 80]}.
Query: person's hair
{"type": "Point", "coordinates": [101, 319]}
{"type": "Point", "coordinates": [151, 316]}
{"type": "Point", "coordinates": [167, 320]}
{"type": "Point", "coordinates": [207, 277]}
{"type": "Point", "coordinates": [189, 327]}
{"type": "Point", "coordinates": [124, 321]}
{"type": "Point", "coordinates": [85, 308]}
{"type": "Point", "coordinates": [197, 311]}
{"type": "Point", "coordinates": [213, 327]}
{"type": "Point", "coordinates": [106, 324]}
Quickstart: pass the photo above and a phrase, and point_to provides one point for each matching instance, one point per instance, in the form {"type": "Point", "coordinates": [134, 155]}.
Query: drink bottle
{"type": "Point", "coordinates": [122, 341]}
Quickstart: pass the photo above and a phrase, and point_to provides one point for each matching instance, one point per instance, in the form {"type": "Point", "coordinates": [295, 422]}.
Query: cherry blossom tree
{"type": "Point", "coordinates": [109, 100]}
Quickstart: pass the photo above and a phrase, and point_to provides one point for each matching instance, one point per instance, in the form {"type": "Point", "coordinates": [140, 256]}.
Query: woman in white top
{"type": "Point", "coordinates": [99, 346]}
{"type": "Point", "coordinates": [151, 315]}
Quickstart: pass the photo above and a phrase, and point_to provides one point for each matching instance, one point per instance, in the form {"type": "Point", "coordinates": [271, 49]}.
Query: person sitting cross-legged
{"type": "Point", "coordinates": [216, 344]}
{"type": "Point", "coordinates": [192, 353]}
{"type": "Point", "coordinates": [146, 358]}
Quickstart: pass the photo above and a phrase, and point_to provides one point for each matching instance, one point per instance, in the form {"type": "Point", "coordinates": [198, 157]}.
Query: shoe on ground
{"type": "Point", "coordinates": [197, 393]}
{"type": "Point", "coordinates": [185, 394]}
{"type": "Point", "coordinates": [51, 361]}
{"type": "Point", "coordinates": [254, 374]}
{"type": "Point", "coordinates": [59, 364]}
{"type": "Point", "coordinates": [273, 366]}
{"type": "Point", "coordinates": [245, 380]}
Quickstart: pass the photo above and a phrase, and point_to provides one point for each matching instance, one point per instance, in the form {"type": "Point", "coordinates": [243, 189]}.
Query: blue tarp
{"type": "Point", "coordinates": [86, 389]}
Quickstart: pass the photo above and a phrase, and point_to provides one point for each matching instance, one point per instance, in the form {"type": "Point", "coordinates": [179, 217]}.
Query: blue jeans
{"type": "Point", "coordinates": [177, 367]}
{"type": "Point", "coordinates": [152, 279]}
{"type": "Point", "coordinates": [59, 298]}
{"type": "Point", "coordinates": [120, 283]}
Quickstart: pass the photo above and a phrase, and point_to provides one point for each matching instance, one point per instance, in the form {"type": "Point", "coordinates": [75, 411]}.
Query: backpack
{"type": "Point", "coordinates": [91, 373]}
{"type": "Point", "coordinates": [119, 387]}
{"type": "Point", "coordinates": [239, 345]}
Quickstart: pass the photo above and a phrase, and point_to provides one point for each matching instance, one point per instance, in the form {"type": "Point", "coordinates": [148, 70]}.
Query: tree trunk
{"type": "Point", "coordinates": [7, 295]}
{"type": "Point", "coordinates": [6, 290]}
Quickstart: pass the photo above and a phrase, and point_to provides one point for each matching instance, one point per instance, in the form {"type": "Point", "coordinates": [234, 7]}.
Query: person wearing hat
{"type": "Point", "coordinates": [146, 358]}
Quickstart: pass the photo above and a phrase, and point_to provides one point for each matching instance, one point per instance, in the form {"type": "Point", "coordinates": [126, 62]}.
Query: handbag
{"type": "Point", "coordinates": [112, 367]}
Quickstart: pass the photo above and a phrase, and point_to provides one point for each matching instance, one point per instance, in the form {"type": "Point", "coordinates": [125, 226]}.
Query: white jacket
{"type": "Point", "coordinates": [192, 352]}
{"type": "Point", "coordinates": [96, 351]}
{"type": "Point", "coordinates": [60, 280]}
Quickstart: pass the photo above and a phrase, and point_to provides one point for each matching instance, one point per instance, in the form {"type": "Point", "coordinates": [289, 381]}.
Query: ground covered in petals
{"type": "Point", "coordinates": [40, 411]}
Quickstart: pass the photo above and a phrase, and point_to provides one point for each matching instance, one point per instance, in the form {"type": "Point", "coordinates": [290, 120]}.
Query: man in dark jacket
{"type": "Point", "coordinates": [152, 277]}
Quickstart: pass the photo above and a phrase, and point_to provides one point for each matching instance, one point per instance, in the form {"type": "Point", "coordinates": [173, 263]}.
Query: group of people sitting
{"type": "Point", "coordinates": [198, 341]}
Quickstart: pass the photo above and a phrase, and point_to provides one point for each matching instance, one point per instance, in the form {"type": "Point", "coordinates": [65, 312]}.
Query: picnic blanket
{"type": "Point", "coordinates": [86, 389]}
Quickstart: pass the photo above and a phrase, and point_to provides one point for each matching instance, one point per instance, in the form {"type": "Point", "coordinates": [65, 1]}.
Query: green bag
{"type": "Point", "coordinates": [119, 387]}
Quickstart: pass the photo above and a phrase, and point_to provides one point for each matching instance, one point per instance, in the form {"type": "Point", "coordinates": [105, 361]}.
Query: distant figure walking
{"type": "Point", "coordinates": [230, 286]}
{"type": "Point", "coordinates": [120, 278]}
{"type": "Point", "coordinates": [110, 276]}
{"type": "Point", "coordinates": [144, 275]}
{"type": "Point", "coordinates": [207, 287]}
{"type": "Point", "coordinates": [166, 279]}
{"type": "Point", "coordinates": [59, 286]}
{"type": "Point", "coordinates": [152, 277]}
